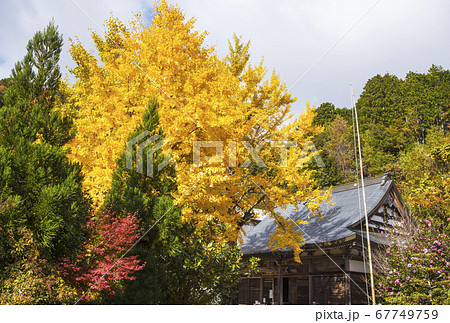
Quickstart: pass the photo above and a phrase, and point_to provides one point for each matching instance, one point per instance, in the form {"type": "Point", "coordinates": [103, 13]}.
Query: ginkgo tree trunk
{"type": "Point", "coordinates": [242, 113]}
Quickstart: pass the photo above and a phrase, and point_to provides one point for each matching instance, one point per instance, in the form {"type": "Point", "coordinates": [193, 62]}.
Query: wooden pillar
{"type": "Point", "coordinates": [310, 280]}
{"type": "Point", "coordinates": [261, 286]}
{"type": "Point", "coordinates": [280, 285]}
{"type": "Point", "coordinates": [348, 287]}
{"type": "Point", "coordinates": [273, 299]}
{"type": "Point", "coordinates": [310, 289]}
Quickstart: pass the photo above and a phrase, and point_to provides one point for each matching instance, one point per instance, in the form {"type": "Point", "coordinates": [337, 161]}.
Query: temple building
{"type": "Point", "coordinates": [333, 269]}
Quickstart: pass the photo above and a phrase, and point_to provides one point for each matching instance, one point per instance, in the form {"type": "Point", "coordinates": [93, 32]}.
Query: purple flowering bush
{"type": "Point", "coordinates": [415, 268]}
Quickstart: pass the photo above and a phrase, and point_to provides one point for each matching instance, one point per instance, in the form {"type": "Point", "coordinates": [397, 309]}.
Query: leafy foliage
{"type": "Point", "coordinates": [102, 264]}
{"type": "Point", "coordinates": [396, 116]}
{"type": "Point", "coordinates": [43, 203]}
{"type": "Point", "coordinates": [424, 171]}
{"type": "Point", "coordinates": [335, 145]}
{"type": "Point", "coordinates": [195, 210]}
{"type": "Point", "coordinates": [382, 146]}
{"type": "Point", "coordinates": [326, 113]}
{"type": "Point", "coordinates": [200, 99]}
{"type": "Point", "coordinates": [339, 147]}
{"type": "Point", "coordinates": [30, 279]}
{"type": "Point", "coordinates": [4, 84]}
{"type": "Point", "coordinates": [426, 98]}
{"type": "Point", "coordinates": [416, 269]}
{"type": "Point", "coordinates": [252, 266]}
{"type": "Point", "coordinates": [238, 56]}
{"type": "Point", "coordinates": [185, 264]}
{"type": "Point", "coordinates": [380, 101]}
{"type": "Point", "coordinates": [43, 187]}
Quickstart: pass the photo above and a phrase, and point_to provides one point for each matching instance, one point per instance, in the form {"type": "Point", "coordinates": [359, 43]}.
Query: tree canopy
{"type": "Point", "coordinates": [202, 99]}
{"type": "Point", "coordinates": [134, 183]}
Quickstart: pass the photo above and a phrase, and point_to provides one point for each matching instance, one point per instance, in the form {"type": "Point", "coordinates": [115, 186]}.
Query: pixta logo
{"type": "Point", "coordinates": [308, 150]}
{"type": "Point", "coordinates": [146, 149]}
{"type": "Point", "coordinates": [150, 146]}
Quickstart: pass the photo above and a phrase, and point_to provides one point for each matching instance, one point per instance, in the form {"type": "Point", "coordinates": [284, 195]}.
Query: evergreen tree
{"type": "Point", "coordinates": [335, 145]}
{"type": "Point", "coordinates": [340, 146]}
{"type": "Point", "coordinates": [4, 84]}
{"type": "Point", "coordinates": [40, 186]}
{"type": "Point", "coordinates": [184, 265]}
{"type": "Point", "coordinates": [380, 101]}
{"type": "Point", "coordinates": [426, 98]}
{"type": "Point", "coordinates": [327, 112]}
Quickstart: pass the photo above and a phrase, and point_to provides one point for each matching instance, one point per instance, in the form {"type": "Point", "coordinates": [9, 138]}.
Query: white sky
{"type": "Point", "coordinates": [396, 36]}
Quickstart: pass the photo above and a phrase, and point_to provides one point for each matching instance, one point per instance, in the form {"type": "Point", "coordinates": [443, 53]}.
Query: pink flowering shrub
{"type": "Point", "coordinates": [415, 268]}
{"type": "Point", "coordinates": [103, 262]}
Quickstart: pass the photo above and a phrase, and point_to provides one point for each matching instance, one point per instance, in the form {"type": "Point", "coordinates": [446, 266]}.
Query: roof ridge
{"type": "Point", "coordinates": [353, 185]}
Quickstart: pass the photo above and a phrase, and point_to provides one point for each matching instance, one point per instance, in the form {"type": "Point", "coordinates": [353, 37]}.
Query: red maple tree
{"type": "Point", "coordinates": [103, 263]}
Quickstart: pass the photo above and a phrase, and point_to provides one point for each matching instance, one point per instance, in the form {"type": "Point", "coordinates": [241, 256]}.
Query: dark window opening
{"type": "Point", "coordinates": [286, 290]}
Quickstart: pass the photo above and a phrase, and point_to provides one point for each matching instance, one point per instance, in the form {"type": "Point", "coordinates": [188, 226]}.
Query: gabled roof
{"type": "Point", "coordinates": [337, 219]}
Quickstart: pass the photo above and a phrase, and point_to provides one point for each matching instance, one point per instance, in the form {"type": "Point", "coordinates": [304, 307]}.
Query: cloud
{"type": "Point", "coordinates": [395, 37]}
{"type": "Point", "coordinates": [74, 18]}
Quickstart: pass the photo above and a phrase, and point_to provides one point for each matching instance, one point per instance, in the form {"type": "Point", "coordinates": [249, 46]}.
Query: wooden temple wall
{"type": "Point", "coordinates": [317, 280]}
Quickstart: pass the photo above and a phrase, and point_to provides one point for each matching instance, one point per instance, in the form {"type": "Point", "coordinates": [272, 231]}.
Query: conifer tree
{"type": "Point", "coordinates": [184, 265]}
{"type": "Point", "coordinates": [4, 84]}
{"type": "Point", "coordinates": [40, 185]}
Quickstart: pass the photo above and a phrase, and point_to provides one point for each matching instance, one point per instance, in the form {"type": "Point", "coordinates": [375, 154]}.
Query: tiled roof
{"type": "Point", "coordinates": [336, 219]}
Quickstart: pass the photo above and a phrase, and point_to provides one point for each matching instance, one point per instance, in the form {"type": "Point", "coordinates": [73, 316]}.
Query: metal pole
{"type": "Point", "coordinates": [369, 251]}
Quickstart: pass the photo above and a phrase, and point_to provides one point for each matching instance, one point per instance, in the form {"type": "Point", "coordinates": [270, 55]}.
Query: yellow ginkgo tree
{"type": "Point", "coordinates": [226, 109]}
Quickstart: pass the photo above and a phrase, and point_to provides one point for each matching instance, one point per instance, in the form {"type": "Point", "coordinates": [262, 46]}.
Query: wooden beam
{"type": "Point", "coordinates": [280, 285]}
